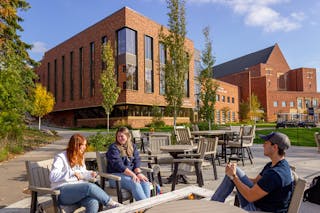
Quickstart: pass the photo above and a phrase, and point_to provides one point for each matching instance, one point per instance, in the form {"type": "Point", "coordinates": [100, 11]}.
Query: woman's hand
{"type": "Point", "coordinates": [135, 178]}
{"type": "Point", "coordinates": [93, 174]}
{"type": "Point", "coordinates": [78, 175]}
{"type": "Point", "coordinates": [142, 177]}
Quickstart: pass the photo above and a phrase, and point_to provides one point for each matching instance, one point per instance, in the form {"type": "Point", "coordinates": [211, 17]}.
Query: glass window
{"type": "Point", "coordinates": [299, 103]}
{"type": "Point", "coordinates": [314, 102]}
{"type": "Point", "coordinates": [162, 81]}
{"type": "Point", "coordinates": [233, 116]}
{"type": "Point", "coordinates": [283, 104]}
{"type": "Point", "coordinates": [291, 104]}
{"type": "Point", "coordinates": [148, 80]}
{"type": "Point", "coordinates": [223, 98]}
{"type": "Point", "coordinates": [218, 97]}
{"type": "Point", "coordinates": [92, 73]}
{"type": "Point", "coordinates": [148, 47]}
{"type": "Point", "coordinates": [48, 83]}
{"type": "Point", "coordinates": [228, 99]}
{"type": "Point", "coordinates": [232, 100]}
{"type": "Point", "coordinates": [197, 68]}
{"type": "Point", "coordinates": [131, 81]}
{"type": "Point", "coordinates": [63, 79]}
{"type": "Point", "coordinates": [71, 75]}
{"type": "Point", "coordinates": [162, 53]}
{"type": "Point", "coordinates": [275, 103]}
{"type": "Point", "coordinates": [126, 41]}
{"type": "Point", "coordinates": [218, 116]}
{"type": "Point", "coordinates": [307, 102]}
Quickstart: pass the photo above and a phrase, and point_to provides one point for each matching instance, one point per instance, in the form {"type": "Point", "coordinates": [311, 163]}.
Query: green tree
{"type": "Point", "coordinates": [256, 111]}
{"type": "Point", "coordinates": [110, 90]}
{"type": "Point", "coordinates": [208, 85]}
{"type": "Point", "coordinates": [43, 102]}
{"type": "Point", "coordinates": [244, 109]}
{"type": "Point", "coordinates": [16, 70]}
{"type": "Point", "coordinates": [177, 63]}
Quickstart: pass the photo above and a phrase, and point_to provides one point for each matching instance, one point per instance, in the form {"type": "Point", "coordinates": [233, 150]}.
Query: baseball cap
{"type": "Point", "coordinates": [278, 138]}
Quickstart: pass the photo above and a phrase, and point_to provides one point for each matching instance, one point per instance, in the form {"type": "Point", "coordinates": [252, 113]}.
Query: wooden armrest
{"type": "Point", "coordinates": [247, 137]}
{"type": "Point", "coordinates": [187, 160]}
{"type": "Point", "coordinates": [189, 155]}
{"type": "Point", "coordinates": [110, 176]}
{"type": "Point", "coordinates": [44, 190]}
{"type": "Point", "coordinates": [146, 169]}
{"type": "Point", "coordinates": [146, 161]}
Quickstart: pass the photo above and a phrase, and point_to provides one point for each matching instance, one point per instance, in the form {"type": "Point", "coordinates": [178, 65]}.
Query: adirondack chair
{"type": "Point", "coordinates": [122, 194]}
{"type": "Point", "coordinates": [39, 184]}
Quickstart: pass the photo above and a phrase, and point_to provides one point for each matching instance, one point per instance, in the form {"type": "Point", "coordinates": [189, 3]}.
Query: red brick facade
{"type": "Point", "coordinates": [278, 88]}
{"type": "Point", "coordinates": [83, 108]}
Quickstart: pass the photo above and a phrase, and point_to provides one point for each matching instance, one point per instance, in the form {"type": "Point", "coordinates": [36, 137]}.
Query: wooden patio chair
{"type": "Point", "coordinates": [242, 144]}
{"type": "Point", "coordinates": [155, 155]}
{"type": "Point", "coordinates": [196, 160]}
{"type": "Point", "coordinates": [183, 136]}
{"type": "Point", "coordinates": [296, 197]}
{"type": "Point", "coordinates": [120, 193]}
{"type": "Point", "coordinates": [39, 184]}
{"type": "Point", "coordinates": [210, 153]}
{"type": "Point", "coordinates": [137, 139]}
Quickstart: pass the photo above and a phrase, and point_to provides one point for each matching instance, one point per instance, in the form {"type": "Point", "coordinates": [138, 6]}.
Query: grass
{"type": "Point", "coordinates": [31, 139]}
{"type": "Point", "coordinates": [298, 136]}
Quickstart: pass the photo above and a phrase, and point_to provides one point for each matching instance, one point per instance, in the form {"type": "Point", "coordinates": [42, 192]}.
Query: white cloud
{"type": "Point", "coordinates": [39, 47]}
{"type": "Point", "coordinates": [259, 13]}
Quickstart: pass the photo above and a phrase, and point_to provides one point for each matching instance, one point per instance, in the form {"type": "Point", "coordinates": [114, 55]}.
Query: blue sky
{"type": "Point", "coordinates": [237, 27]}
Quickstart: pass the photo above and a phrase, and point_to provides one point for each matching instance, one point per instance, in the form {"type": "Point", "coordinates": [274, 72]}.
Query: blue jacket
{"type": "Point", "coordinates": [117, 164]}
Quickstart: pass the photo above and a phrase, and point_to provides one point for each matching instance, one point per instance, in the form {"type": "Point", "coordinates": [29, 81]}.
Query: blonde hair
{"type": "Point", "coordinates": [127, 148]}
{"type": "Point", "coordinates": [75, 157]}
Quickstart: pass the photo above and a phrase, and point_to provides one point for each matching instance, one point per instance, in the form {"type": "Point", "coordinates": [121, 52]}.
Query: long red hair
{"type": "Point", "coordinates": [75, 157]}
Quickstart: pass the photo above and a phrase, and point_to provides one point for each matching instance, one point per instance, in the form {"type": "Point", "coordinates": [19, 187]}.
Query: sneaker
{"type": "Point", "coordinates": [113, 204]}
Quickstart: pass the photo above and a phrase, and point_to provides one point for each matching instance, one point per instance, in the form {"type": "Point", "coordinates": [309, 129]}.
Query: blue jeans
{"type": "Point", "coordinates": [139, 191]}
{"type": "Point", "coordinates": [88, 195]}
{"type": "Point", "coordinates": [227, 186]}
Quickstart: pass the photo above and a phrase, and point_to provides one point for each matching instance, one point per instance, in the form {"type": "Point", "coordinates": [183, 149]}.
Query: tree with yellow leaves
{"type": "Point", "coordinates": [43, 102]}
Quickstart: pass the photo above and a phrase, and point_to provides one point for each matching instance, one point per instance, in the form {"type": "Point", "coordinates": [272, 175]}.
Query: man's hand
{"type": "Point", "coordinates": [231, 169]}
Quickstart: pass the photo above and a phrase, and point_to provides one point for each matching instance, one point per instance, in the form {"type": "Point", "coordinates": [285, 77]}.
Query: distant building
{"type": "Point", "coordinates": [267, 74]}
{"type": "Point", "coordinates": [227, 97]}
{"type": "Point", "coordinates": [71, 71]}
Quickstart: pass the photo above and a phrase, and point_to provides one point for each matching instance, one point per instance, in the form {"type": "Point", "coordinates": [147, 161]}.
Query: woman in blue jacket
{"type": "Point", "coordinates": [124, 161]}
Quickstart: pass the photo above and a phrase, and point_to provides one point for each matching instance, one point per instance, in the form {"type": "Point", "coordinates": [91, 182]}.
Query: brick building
{"type": "Point", "coordinates": [227, 97]}
{"type": "Point", "coordinates": [267, 74]}
{"type": "Point", "coordinates": [71, 71]}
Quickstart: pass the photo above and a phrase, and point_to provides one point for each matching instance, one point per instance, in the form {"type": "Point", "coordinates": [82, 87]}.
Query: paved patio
{"type": "Point", "coordinates": [305, 159]}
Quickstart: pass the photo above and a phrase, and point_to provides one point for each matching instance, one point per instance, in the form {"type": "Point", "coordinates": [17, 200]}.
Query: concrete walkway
{"type": "Point", "coordinates": [13, 175]}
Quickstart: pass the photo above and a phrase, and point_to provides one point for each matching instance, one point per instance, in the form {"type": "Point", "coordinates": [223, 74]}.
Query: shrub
{"type": "Point", "coordinates": [121, 123]}
{"type": "Point", "coordinates": [100, 142]}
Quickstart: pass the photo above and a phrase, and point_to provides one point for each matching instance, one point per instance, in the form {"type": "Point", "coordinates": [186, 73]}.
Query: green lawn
{"type": "Point", "coordinates": [297, 136]}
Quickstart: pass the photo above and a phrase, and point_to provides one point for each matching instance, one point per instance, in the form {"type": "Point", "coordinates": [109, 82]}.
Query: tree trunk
{"type": "Point", "coordinates": [39, 123]}
{"type": "Point", "coordinates": [108, 122]}
{"type": "Point", "coordinates": [209, 123]}
{"type": "Point", "coordinates": [175, 117]}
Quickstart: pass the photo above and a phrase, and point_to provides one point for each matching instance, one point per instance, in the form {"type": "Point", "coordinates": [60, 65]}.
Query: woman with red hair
{"type": "Point", "coordinates": [70, 176]}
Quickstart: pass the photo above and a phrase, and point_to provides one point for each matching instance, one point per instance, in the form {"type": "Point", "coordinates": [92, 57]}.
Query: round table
{"type": "Point", "coordinates": [191, 206]}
